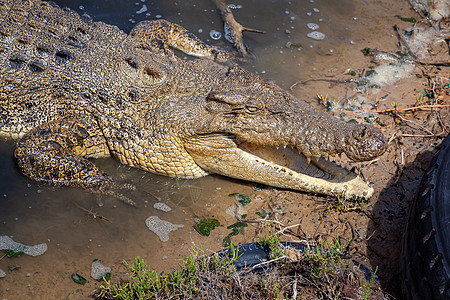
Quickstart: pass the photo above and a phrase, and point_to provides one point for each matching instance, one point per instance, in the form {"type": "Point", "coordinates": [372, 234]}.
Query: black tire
{"type": "Point", "coordinates": [426, 243]}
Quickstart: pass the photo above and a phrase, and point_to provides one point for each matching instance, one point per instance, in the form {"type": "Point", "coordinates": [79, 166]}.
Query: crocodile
{"type": "Point", "coordinates": [72, 89]}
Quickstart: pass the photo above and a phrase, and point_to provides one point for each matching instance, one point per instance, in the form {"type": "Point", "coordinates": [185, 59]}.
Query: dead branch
{"type": "Point", "coordinates": [403, 42]}
{"type": "Point", "coordinates": [399, 109]}
{"type": "Point", "coordinates": [321, 79]}
{"type": "Point", "coordinates": [236, 28]}
{"type": "Point", "coordinates": [92, 213]}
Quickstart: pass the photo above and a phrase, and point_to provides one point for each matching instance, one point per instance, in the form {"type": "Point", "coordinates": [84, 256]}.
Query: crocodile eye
{"type": "Point", "coordinates": [252, 109]}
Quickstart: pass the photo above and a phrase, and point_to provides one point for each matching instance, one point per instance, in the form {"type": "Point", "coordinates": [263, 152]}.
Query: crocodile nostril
{"type": "Point", "coordinates": [37, 66]}
{"type": "Point", "coordinates": [131, 63]}
{"type": "Point", "coordinates": [17, 61]}
{"type": "Point", "coordinates": [63, 56]}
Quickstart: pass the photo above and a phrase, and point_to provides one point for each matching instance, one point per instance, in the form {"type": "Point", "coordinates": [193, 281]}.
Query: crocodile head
{"type": "Point", "coordinates": [244, 109]}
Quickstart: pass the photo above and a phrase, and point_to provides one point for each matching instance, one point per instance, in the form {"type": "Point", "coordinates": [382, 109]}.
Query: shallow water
{"type": "Point", "coordinates": [34, 213]}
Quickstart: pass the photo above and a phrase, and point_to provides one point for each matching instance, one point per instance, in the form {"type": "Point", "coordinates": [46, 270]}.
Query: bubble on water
{"type": "Point", "coordinates": [312, 26]}
{"type": "Point", "coordinates": [308, 13]}
{"type": "Point", "coordinates": [98, 270]}
{"type": "Point", "coordinates": [81, 7]}
{"type": "Point", "coordinates": [316, 35]}
{"type": "Point", "coordinates": [142, 10]}
{"type": "Point", "coordinates": [316, 10]}
{"type": "Point", "coordinates": [158, 16]}
{"type": "Point", "coordinates": [286, 12]}
{"type": "Point", "coordinates": [215, 35]}
{"type": "Point", "coordinates": [162, 206]}
{"type": "Point", "coordinates": [200, 30]}
{"type": "Point", "coordinates": [234, 6]}
{"type": "Point", "coordinates": [160, 227]}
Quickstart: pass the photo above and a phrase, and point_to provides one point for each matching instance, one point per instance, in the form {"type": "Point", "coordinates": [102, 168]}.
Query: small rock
{"type": "Point", "coordinates": [2, 273]}
{"type": "Point", "coordinates": [13, 267]}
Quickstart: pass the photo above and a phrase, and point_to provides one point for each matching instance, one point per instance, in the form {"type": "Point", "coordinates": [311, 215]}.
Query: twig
{"type": "Point", "coordinates": [269, 261]}
{"type": "Point", "coordinates": [400, 109]}
{"type": "Point", "coordinates": [406, 120]}
{"type": "Point", "coordinates": [321, 79]}
{"type": "Point", "coordinates": [236, 28]}
{"type": "Point", "coordinates": [92, 213]}
{"type": "Point", "coordinates": [424, 135]}
{"type": "Point", "coordinates": [403, 42]}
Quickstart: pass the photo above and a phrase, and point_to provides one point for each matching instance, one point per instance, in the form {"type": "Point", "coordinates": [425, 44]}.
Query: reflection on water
{"type": "Point", "coordinates": [77, 230]}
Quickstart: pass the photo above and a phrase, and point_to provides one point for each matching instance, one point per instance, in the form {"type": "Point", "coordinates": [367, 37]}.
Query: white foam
{"type": "Point", "coordinates": [389, 73]}
{"type": "Point", "coordinates": [7, 243]}
{"type": "Point", "coordinates": [312, 26]}
{"type": "Point", "coordinates": [162, 206]}
{"type": "Point", "coordinates": [142, 10]}
{"type": "Point", "coordinates": [160, 227]}
{"type": "Point", "coordinates": [440, 10]}
{"type": "Point", "coordinates": [215, 35]}
{"type": "Point", "coordinates": [316, 35]}
{"type": "Point", "coordinates": [98, 270]}
{"type": "Point", "coordinates": [419, 41]}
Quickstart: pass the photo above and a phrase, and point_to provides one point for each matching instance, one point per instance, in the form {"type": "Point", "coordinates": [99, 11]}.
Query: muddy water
{"type": "Point", "coordinates": [64, 218]}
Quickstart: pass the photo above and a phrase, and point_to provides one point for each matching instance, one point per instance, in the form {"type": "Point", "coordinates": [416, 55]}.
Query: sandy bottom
{"type": "Point", "coordinates": [77, 230]}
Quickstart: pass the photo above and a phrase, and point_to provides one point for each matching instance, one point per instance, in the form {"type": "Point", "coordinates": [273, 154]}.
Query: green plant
{"type": "Point", "coordinates": [326, 258]}
{"type": "Point", "coordinates": [144, 283]}
{"type": "Point", "coordinates": [273, 242]}
{"type": "Point", "coordinates": [367, 289]}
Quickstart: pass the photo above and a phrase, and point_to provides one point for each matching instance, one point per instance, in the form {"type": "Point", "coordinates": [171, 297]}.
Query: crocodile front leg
{"type": "Point", "coordinates": [164, 34]}
{"type": "Point", "coordinates": [55, 153]}
{"type": "Point", "coordinates": [236, 163]}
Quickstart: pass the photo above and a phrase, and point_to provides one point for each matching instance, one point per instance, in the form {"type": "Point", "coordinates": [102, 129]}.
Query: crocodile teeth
{"type": "Point", "coordinates": [308, 159]}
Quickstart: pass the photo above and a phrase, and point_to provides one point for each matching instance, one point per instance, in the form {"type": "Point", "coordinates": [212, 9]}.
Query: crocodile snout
{"type": "Point", "coordinates": [365, 143]}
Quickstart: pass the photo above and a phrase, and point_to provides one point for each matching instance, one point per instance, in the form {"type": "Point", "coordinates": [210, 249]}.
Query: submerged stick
{"type": "Point", "coordinates": [236, 28]}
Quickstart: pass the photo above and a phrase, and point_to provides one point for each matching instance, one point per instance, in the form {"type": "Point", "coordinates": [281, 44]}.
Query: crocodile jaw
{"type": "Point", "coordinates": [240, 164]}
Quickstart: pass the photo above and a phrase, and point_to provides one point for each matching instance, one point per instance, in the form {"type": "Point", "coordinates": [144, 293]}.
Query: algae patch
{"type": "Point", "coordinates": [205, 226]}
{"type": "Point", "coordinates": [241, 198]}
